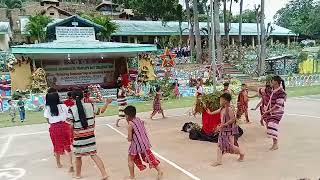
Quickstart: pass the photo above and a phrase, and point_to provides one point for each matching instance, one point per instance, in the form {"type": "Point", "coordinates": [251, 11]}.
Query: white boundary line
{"type": "Point", "coordinates": [302, 115]}
{"type": "Point", "coordinates": [161, 157]}
{"type": "Point", "coordinates": [6, 146]}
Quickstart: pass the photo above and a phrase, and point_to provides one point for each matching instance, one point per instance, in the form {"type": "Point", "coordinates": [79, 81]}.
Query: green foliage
{"type": "Point", "coordinates": [248, 16]}
{"type": "Point", "coordinates": [302, 57]}
{"type": "Point", "coordinates": [300, 16]}
{"type": "Point", "coordinates": [109, 26]}
{"type": "Point", "coordinates": [36, 27]}
{"type": "Point", "coordinates": [12, 4]}
{"type": "Point", "coordinates": [211, 101]}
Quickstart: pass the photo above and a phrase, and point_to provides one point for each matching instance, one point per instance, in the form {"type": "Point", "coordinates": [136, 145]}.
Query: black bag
{"type": "Point", "coordinates": [194, 134]}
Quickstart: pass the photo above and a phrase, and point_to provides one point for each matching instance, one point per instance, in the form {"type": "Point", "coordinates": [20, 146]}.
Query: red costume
{"type": "Point", "coordinates": [69, 102]}
{"type": "Point", "coordinates": [210, 122]}
{"type": "Point", "coordinates": [242, 104]}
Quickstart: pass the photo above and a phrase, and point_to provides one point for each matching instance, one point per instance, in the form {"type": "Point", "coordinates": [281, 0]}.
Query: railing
{"type": "Point", "coordinates": [302, 80]}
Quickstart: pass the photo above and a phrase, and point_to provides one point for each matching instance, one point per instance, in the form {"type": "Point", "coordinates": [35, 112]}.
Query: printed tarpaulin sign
{"type": "Point", "coordinates": [75, 33]}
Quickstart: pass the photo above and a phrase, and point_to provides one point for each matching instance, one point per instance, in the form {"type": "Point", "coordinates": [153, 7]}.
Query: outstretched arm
{"type": "Point", "coordinates": [105, 106]}
{"type": "Point", "coordinates": [258, 105]}
{"type": "Point", "coordinates": [214, 112]}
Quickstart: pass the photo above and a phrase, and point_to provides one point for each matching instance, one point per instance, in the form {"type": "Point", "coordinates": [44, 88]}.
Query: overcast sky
{"type": "Point", "coordinates": [272, 6]}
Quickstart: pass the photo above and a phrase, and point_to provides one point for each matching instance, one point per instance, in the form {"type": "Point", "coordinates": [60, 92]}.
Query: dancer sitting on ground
{"type": "Point", "coordinates": [227, 130]}
{"type": "Point", "coordinates": [157, 104]}
{"type": "Point", "coordinates": [243, 103]}
{"type": "Point", "coordinates": [56, 114]}
{"type": "Point", "coordinates": [140, 146]}
{"type": "Point", "coordinates": [83, 117]}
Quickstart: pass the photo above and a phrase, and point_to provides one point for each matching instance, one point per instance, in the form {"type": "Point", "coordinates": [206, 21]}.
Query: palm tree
{"type": "Point", "coordinates": [217, 35]}
{"type": "Point", "coordinates": [36, 27]}
{"type": "Point", "coordinates": [257, 12]}
{"type": "Point", "coordinates": [179, 17]}
{"type": "Point", "coordinates": [240, 23]}
{"type": "Point", "coordinates": [10, 5]}
{"type": "Point", "coordinates": [109, 27]}
{"type": "Point", "coordinates": [263, 41]}
{"type": "Point", "coordinates": [191, 37]}
{"type": "Point", "coordinates": [197, 31]}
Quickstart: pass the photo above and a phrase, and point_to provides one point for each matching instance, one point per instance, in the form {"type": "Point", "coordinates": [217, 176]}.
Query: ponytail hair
{"type": "Point", "coordinates": [78, 96]}
{"type": "Point", "coordinates": [280, 81]}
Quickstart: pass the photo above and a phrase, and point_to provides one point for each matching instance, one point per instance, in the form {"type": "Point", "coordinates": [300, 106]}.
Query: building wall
{"type": "Point", "coordinates": [3, 14]}
{"type": "Point", "coordinates": [20, 77]}
{"type": "Point", "coordinates": [4, 42]}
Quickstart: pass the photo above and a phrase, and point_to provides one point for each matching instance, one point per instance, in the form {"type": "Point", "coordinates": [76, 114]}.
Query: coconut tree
{"type": "Point", "coordinates": [109, 27]}
{"type": "Point", "coordinates": [36, 27]}
{"type": "Point", "coordinates": [218, 36]}
{"type": "Point", "coordinates": [191, 36]}
{"type": "Point", "coordinates": [197, 31]}
{"type": "Point", "coordinates": [10, 5]}
{"type": "Point", "coordinates": [263, 41]}
{"type": "Point", "coordinates": [240, 23]}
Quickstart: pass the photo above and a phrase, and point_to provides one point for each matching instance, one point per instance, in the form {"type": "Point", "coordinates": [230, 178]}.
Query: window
{"type": "Point", "coordinates": [124, 39]}
{"type": "Point", "coordinates": [51, 13]}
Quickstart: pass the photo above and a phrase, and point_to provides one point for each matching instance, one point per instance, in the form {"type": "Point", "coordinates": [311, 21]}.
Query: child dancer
{"type": "Point", "coordinates": [122, 102]}
{"type": "Point", "coordinates": [12, 110]}
{"type": "Point", "coordinates": [242, 103]}
{"type": "Point", "coordinates": [264, 93]}
{"type": "Point", "coordinates": [227, 130]}
{"type": "Point", "coordinates": [275, 110]}
{"type": "Point", "coordinates": [157, 104]}
{"type": "Point", "coordinates": [56, 114]}
{"type": "Point", "coordinates": [22, 111]}
{"type": "Point", "coordinates": [83, 115]}
{"type": "Point", "coordinates": [140, 146]}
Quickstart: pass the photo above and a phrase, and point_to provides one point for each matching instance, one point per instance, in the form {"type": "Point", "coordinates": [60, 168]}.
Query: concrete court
{"type": "Point", "coordinates": [28, 148]}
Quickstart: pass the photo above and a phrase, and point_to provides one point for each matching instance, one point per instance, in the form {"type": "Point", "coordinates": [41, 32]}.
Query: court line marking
{"type": "Point", "coordinates": [161, 157]}
{"type": "Point", "coordinates": [6, 146]}
{"type": "Point", "coordinates": [302, 115]}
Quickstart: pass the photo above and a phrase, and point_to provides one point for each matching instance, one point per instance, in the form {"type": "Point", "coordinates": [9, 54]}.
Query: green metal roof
{"type": "Point", "coordinates": [172, 28]}
{"type": "Point", "coordinates": [81, 47]}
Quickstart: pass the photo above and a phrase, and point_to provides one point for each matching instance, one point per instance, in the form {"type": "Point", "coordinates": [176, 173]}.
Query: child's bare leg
{"type": "Point", "coordinates": [78, 167]}
{"type": "Point", "coordinates": [236, 149]}
{"type": "Point", "coordinates": [274, 145]}
{"type": "Point", "coordinates": [58, 160]}
{"type": "Point", "coordinates": [152, 114]}
{"type": "Point", "coordinates": [247, 116]}
{"type": "Point", "coordinates": [97, 160]}
{"type": "Point", "coordinates": [160, 172]}
{"type": "Point", "coordinates": [131, 167]}
{"type": "Point", "coordinates": [162, 112]}
{"type": "Point", "coordinates": [69, 154]}
{"type": "Point", "coordinates": [219, 157]}
{"type": "Point", "coordinates": [117, 123]}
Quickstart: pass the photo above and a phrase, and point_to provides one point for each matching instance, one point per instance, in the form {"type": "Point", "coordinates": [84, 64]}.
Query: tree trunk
{"type": "Point", "coordinates": [225, 21]}
{"type": "Point", "coordinates": [191, 37]}
{"type": "Point", "coordinates": [180, 32]}
{"type": "Point", "coordinates": [197, 31]}
{"type": "Point", "coordinates": [240, 22]}
{"type": "Point", "coordinates": [218, 37]}
{"type": "Point", "coordinates": [263, 41]}
{"type": "Point", "coordinates": [229, 23]}
{"type": "Point", "coordinates": [209, 34]}
{"type": "Point", "coordinates": [258, 36]}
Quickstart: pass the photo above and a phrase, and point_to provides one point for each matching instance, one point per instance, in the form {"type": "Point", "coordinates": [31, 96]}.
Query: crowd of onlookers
{"type": "Point", "coordinates": [181, 51]}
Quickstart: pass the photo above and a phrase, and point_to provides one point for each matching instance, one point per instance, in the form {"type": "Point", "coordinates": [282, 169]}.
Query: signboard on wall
{"type": "Point", "coordinates": [75, 33]}
{"type": "Point", "coordinates": [80, 73]}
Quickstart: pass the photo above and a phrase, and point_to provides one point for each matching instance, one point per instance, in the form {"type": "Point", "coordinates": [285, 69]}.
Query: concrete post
{"type": "Point", "coordinates": [288, 43]}
{"type": "Point", "coordinates": [253, 43]}
{"type": "Point", "coordinates": [232, 40]}
{"type": "Point", "coordinates": [271, 41]}
{"type": "Point", "coordinates": [136, 40]}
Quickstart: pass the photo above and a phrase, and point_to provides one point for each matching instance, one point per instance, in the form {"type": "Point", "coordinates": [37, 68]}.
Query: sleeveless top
{"type": "Point", "coordinates": [140, 141]}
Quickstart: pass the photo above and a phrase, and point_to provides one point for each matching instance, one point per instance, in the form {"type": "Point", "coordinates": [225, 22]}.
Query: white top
{"type": "Point", "coordinates": [200, 90]}
{"type": "Point", "coordinates": [63, 114]}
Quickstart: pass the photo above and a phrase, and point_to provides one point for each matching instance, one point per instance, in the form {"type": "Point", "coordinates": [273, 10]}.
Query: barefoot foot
{"type": "Point", "coordinates": [71, 169]}
{"type": "Point", "coordinates": [59, 165]}
{"type": "Point", "coordinates": [216, 164]}
{"type": "Point", "coordinates": [241, 158]}
{"type": "Point", "coordinates": [160, 175]}
{"type": "Point", "coordinates": [274, 147]}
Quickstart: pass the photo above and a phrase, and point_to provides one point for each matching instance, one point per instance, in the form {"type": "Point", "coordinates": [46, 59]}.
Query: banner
{"type": "Point", "coordinates": [75, 33]}
{"type": "Point", "coordinates": [80, 73]}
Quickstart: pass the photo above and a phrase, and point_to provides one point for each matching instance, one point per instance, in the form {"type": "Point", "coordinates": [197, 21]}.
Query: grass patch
{"type": "Point", "coordinates": [37, 117]}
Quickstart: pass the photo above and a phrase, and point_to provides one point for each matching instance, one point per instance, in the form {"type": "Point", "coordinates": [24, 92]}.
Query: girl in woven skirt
{"type": "Point", "coordinates": [157, 104]}
{"type": "Point", "coordinates": [122, 102]}
{"type": "Point", "coordinates": [82, 114]}
{"type": "Point", "coordinates": [140, 147]}
{"type": "Point", "coordinates": [275, 110]}
{"type": "Point", "coordinates": [264, 93]}
{"type": "Point", "coordinates": [56, 114]}
{"type": "Point", "coordinates": [227, 130]}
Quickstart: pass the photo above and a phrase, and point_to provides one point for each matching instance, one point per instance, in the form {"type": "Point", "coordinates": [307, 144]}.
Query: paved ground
{"type": "Point", "coordinates": [27, 150]}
